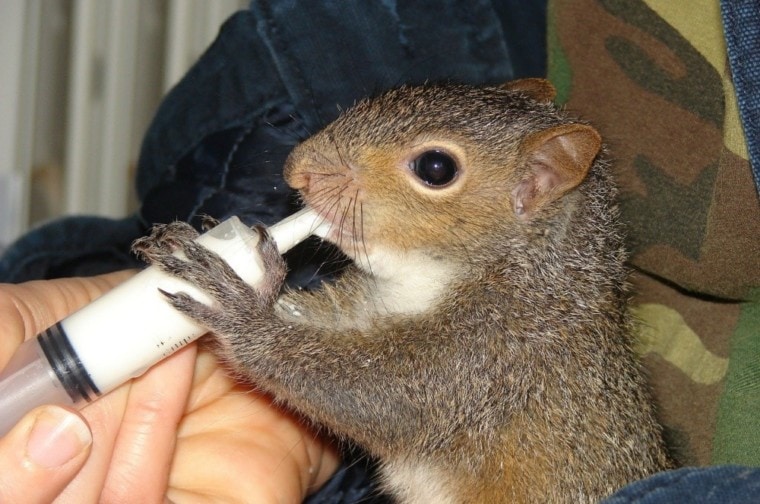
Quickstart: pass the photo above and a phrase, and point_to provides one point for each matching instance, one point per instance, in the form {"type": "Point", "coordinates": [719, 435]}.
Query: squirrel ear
{"type": "Point", "coordinates": [557, 160]}
{"type": "Point", "coordinates": [539, 89]}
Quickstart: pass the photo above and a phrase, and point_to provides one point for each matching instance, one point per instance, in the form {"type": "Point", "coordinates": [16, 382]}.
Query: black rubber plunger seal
{"type": "Point", "coordinates": [65, 363]}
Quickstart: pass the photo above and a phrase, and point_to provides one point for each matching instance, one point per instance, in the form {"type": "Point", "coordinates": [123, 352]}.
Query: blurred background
{"type": "Point", "coordinates": [79, 84]}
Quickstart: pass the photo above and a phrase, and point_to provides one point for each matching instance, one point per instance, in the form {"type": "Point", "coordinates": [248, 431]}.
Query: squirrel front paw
{"type": "Point", "coordinates": [234, 301]}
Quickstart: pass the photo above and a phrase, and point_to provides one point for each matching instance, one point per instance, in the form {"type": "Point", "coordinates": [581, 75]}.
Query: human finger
{"type": "Point", "coordinates": [144, 449]}
{"type": "Point", "coordinates": [42, 454]}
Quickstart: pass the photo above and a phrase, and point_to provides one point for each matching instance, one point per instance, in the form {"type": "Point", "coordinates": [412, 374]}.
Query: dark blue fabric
{"type": "Point", "coordinates": [709, 485]}
{"type": "Point", "coordinates": [353, 483]}
{"type": "Point", "coordinates": [81, 246]}
{"type": "Point", "coordinates": [741, 25]}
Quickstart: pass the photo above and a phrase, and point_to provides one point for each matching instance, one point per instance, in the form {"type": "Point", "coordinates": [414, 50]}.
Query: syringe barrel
{"type": "Point", "coordinates": [129, 329]}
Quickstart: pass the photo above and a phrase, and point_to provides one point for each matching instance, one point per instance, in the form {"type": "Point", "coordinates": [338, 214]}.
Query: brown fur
{"type": "Point", "coordinates": [505, 373]}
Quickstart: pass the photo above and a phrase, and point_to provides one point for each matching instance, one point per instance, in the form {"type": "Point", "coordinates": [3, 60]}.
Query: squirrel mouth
{"type": "Point", "coordinates": [341, 229]}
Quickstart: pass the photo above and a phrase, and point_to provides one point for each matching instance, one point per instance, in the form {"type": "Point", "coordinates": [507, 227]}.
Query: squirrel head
{"type": "Point", "coordinates": [422, 167]}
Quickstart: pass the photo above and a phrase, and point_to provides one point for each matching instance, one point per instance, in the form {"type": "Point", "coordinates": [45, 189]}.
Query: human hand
{"type": "Point", "coordinates": [182, 432]}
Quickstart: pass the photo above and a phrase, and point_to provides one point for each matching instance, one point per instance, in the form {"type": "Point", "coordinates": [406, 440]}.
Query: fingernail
{"type": "Point", "coordinates": [57, 437]}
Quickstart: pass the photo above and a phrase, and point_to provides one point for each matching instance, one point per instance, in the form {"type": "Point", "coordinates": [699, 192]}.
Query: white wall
{"type": "Point", "coordinates": [80, 82]}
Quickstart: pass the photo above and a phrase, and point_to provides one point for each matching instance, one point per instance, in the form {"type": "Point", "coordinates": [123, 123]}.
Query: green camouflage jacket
{"type": "Point", "coordinates": [653, 76]}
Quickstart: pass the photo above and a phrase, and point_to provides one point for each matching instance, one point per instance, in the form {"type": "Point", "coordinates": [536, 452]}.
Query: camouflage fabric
{"type": "Point", "coordinates": [653, 76]}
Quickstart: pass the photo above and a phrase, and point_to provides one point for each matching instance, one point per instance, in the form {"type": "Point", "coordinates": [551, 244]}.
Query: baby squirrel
{"type": "Point", "coordinates": [479, 345]}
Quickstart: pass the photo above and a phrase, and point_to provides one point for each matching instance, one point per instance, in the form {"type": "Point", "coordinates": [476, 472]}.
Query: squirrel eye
{"type": "Point", "coordinates": [435, 168]}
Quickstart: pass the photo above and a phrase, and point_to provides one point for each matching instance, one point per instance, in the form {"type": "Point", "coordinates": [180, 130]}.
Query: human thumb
{"type": "Point", "coordinates": [42, 454]}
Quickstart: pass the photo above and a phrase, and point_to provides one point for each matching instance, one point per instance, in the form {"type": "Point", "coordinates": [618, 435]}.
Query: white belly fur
{"type": "Point", "coordinates": [417, 483]}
